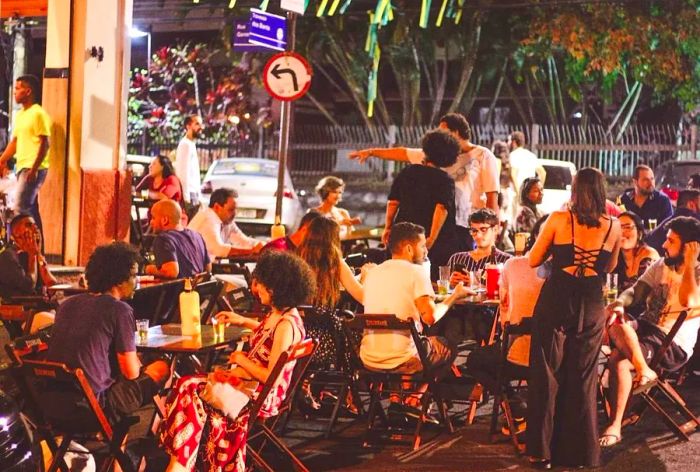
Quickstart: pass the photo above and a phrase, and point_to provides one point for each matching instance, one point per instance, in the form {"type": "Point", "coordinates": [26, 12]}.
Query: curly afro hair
{"type": "Point", "coordinates": [110, 265]}
{"type": "Point", "coordinates": [440, 148]}
{"type": "Point", "coordinates": [288, 278]}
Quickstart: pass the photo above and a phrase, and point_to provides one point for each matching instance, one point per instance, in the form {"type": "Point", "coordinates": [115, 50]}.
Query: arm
{"type": "Point", "coordinates": [129, 364]}
{"type": "Point", "coordinates": [282, 341]}
{"type": "Point", "coordinates": [615, 252]}
{"type": "Point", "coordinates": [347, 278]}
{"type": "Point", "coordinates": [167, 270]}
{"type": "Point", "coordinates": [8, 152]}
{"type": "Point", "coordinates": [439, 217]}
{"type": "Point", "coordinates": [46, 276]}
{"type": "Point", "coordinates": [392, 207]}
{"type": "Point", "coordinates": [389, 154]}
{"type": "Point", "coordinates": [633, 295]}
{"type": "Point", "coordinates": [492, 202]}
{"type": "Point", "coordinates": [689, 294]}
{"type": "Point", "coordinates": [538, 253]}
{"type": "Point", "coordinates": [431, 313]}
{"type": "Point", "coordinates": [13, 275]}
{"type": "Point", "coordinates": [166, 264]}
{"type": "Point", "coordinates": [235, 319]}
{"type": "Point", "coordinates": [43, 149]}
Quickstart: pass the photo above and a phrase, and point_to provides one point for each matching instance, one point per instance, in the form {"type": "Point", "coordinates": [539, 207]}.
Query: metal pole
{"type": "Point", "coordinates": [285, 124]}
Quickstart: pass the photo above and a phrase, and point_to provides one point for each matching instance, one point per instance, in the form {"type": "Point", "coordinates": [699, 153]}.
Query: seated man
{"type": "Point", "coordinates": [291, 242]}
{"type": "Point", "coordinates": [179, 252]}
{"type": "Point", "coordinates": [400, 286]}
{"type": "Point", "coordinates": [23, 269]}
{"type": "Point", "coordinates": [95, 331]}
{"type": "Point", "coordinates": [223, 237]}
{"type": "Point", "coordinates": [668, 286]}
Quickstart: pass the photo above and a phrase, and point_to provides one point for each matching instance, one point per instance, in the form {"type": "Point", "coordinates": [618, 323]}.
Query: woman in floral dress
{"type": "Point", "coordinates": [282, 281]}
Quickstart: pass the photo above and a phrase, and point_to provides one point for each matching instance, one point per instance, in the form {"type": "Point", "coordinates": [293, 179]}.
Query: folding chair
{"type": "Point", "coordinates": [662, 384]}
{"type": "Point", "coordinates": [264, 428]}
{"type": "Point", "coordinates": [227, 267]}
{"type": "Point", "coordinates": [344, 382]}
{"type": "Point", "coordinates": [507, 374]}
{"type": "Point", "coordinates": [381, 382]}
{"type": "Point", "coordinates": [157, 302]}
{"type": "Point", "coordinates": [17, 313]}
{"type": "Point", "coordinates": [66, 406]}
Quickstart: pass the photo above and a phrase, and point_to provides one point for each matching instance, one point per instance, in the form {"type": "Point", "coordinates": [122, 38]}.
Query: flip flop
{"type": "Point", "coordinates": [616, 440]}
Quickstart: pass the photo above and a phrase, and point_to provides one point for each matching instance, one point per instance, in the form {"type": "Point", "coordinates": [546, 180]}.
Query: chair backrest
{"type": "Point", "coordinates": [64, 398]}
{"type": "Point", "coordinates": [668, 339]}
{"type": "Point", "coordinates": [157, 302]}
{"type": "Point", "coordinates": [209, 292]}
{"type": "Point", "coordinates": [301, 352]}
{"type": "Point", "coordinates": [232, 268]}
{"type": "Point", "coordinates": [28, 346]}
{"type": "Point", "coordinates": [241, 300]}
{"type": "Point", "coordinates": [360, 323]}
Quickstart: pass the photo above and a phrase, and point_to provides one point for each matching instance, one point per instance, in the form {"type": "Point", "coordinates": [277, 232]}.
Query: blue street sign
{"type": "Point", "coordinates": [266, 29]}
{"type": "Point", "coordinates": [240, 42]}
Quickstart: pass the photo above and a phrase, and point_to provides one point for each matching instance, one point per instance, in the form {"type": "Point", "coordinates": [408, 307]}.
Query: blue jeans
{"type": "Point", "coordinates": [28, 194]}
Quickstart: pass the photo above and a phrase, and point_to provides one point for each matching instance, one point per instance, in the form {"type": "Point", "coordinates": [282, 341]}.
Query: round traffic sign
{"type": "Point", "coordinates": [287, 76]}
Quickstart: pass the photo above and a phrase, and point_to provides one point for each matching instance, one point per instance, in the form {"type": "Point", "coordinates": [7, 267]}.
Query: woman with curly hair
{"type": "Point", "coordinates": [330, 190]}
{"type": "Point", "coordinates": [282, 280]}
{"type": "Point", "coordinates": [321, 250]}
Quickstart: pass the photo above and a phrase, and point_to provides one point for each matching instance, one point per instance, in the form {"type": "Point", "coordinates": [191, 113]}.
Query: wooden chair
{"type": "Point", "coordinates": [648, 393]}
{"type": "Point", "coordinates": [65, 405]}
{"type": "Point", "coordinates": [264, 428]}
{"type": "Point", "coordinates": [381, 383]}
{"type": "Point", "coordinates": [507, 374]}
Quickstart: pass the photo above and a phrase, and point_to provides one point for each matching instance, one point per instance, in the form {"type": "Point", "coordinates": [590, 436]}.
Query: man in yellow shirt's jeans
{"type": "Point", "coordinates": [30, 145]}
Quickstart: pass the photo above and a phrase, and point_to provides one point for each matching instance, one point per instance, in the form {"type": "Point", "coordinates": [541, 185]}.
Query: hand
{"type": "Point", "coordinates": [355, 221]}
{"type": "Point", "coordinates": [230, 317]}
{"type": "Point", "coordinates": [31, 174]}
{"type": "Point", "coordinates": [458, 277]}
{"type": "Point", "coordinates": [361, 155]}
{"type": "Point", "coordinates": [690, 254]}
{"type": "Point", "coordinates": [615, 309]}
{"type": "Point", "coordinates": [385, 236]}
{"type": "Point", "coordinates": [236, 356]}
{"type": "Point", "coordinates": [429, 242]}
{"type": "Point", "coordinates": [461, 291]}
{"type": "Point", "coordinates": [257, 248]}
{"type": "Point", "coordinates": [28, 242]}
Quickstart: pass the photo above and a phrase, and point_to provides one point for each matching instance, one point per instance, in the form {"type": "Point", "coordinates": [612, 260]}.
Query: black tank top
{"type": "Point", "coordinates": [572, 255]}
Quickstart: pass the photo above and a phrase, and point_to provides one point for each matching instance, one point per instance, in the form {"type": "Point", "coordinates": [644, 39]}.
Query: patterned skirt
{"type": "Point", "coordinates": [188, 417]}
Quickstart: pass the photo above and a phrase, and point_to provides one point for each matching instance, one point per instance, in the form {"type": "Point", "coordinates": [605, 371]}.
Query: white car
{"type": "Point", "coordinates": [255, 180]}
{"type": "Point", "coordinates": [557, 184]}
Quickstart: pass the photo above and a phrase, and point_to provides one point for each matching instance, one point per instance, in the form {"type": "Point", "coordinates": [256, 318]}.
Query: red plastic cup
{"type": "Point", "coordinates": [493, 274]}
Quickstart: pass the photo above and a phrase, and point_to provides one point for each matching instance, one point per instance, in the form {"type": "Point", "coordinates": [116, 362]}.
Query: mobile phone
{"type": "Point", "coordinates": [461, 268]}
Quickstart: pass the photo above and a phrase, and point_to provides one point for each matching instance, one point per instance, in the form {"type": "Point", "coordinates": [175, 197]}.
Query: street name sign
{"type": "Point", "coordinates": [287, 76]}
{"type": "Point", "coordinates": [266, 29]}
{"type": "Point", "coordinates": [297, 6]}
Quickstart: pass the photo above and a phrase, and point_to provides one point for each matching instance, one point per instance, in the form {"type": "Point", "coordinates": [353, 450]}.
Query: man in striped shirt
{"type": "Point", "coordinates": [484, 229]}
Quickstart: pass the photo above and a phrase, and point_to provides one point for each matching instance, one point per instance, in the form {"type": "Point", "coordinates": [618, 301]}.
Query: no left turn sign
{"type": "Point", "coordinates": [287, 76]}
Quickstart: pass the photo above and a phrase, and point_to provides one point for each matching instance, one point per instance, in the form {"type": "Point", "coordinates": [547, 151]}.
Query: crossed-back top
{"type": "Point", "coordinates": [588, 262]}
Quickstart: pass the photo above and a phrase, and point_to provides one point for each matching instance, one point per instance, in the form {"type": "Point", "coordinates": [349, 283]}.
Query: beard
{"type": "Point", "coordinates": [673, 261]}
{"type": "Point", "coordinates": [646, 192]}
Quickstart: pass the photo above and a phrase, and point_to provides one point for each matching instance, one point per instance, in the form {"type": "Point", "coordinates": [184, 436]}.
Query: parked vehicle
{"type": "Point", "coordinates": [557, 184]}
{"type": "Point", "coordinates": [255, 180]}
{"type": "Point", "coordinates": [17, 453]}
{"type": "Point", "coordinates": [672, 177]}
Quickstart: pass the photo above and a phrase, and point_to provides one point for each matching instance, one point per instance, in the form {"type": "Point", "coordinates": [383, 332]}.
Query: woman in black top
{"type": "Point", "coordinates": [568, 324]}
{"type": "Point", "coordinates": [425, 195]}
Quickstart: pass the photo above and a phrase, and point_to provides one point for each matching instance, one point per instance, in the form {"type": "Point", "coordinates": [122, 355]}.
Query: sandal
{"type": "Point", "coordinates": [609, 440]}
{"type": "Point", "coordinates": [644, 383]}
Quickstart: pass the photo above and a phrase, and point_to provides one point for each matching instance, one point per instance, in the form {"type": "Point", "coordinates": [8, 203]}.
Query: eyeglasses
{"type": "Point", "coordinates": [482, 230]}
{"type": "Point", "coordinates": [627, 227]}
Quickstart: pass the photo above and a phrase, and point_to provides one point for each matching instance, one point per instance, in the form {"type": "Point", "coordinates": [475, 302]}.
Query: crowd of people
{"type": "Point", "coordinates": [456, 205]}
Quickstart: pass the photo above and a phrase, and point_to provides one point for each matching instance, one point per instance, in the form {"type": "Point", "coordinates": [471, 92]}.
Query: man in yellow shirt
{"type": "Point", "coordinates": [29, 145]}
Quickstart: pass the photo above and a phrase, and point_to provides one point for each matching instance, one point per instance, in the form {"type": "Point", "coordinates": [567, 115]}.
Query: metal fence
{"type": "Point", "coordinates": [319, 150]}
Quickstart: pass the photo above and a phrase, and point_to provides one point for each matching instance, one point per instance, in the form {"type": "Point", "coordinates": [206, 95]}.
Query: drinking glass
{"type": "Point", "coordinates": [652, 224]}
{"type": "Point", "coordinates": [520, 242]}
{"type": "Point", "coordinates": [219, 328]}
{"type": "Point", "coordinates": [443, 280]}
{"type": "Point", "coordinates": [611, 288]}
{"type": "Point", "coordinates": [142, 330]}
{"type": "Point", "coordinates": [475, 279]}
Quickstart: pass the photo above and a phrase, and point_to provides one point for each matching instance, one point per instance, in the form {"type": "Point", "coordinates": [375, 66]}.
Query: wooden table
{"type": "Point", "coordinates": [364, 236]}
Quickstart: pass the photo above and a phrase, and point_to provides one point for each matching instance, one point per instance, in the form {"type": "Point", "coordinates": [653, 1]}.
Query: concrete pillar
{"type": "Point", "coordinates": [86, 196]}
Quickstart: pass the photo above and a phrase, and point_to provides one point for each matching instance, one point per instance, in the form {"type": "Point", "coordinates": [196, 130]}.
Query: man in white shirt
{"type": "Point", "coordinates": [187, 162]}
{"type": "Point", "coordinates": [523, 163]}
{"type": "Point", "coordinates": [223, 237]}
{"type": "Point", "coordinates": [401, 287]}
{"type": "Point", "coordinates": [475, 173]}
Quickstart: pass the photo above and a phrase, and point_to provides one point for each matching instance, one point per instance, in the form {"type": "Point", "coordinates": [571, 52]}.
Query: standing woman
{"type": "Point", "coordinates": [562, 425]}
{"type": "Point", "coordinates": [330, 189]}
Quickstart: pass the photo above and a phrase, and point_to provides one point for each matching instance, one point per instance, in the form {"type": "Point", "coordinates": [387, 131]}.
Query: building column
{"type": "Point", "coordinates": [85, 200]}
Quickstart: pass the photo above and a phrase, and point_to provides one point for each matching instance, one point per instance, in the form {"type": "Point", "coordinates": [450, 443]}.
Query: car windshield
{"type": "Point", "coordinates": [558, 177]}
{"type": "Point", "coordinates": [262, 169]}
{"type": "Point", "coordinates": [679, 175]}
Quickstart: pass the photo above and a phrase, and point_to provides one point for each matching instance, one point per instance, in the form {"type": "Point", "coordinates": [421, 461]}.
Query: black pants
{"type": "Point", "coordinates": [126, 396]}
